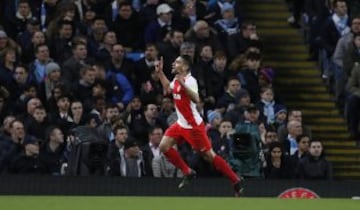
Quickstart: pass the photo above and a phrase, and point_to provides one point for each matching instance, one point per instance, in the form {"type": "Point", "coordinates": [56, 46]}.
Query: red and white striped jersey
{"type": "Point", "coordinates": [188, 116]}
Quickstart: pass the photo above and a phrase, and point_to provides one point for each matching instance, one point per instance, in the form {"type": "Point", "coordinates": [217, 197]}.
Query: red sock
{"type": "Point", "coordinates": [221, 165]}
{"type": "Point", "coordinates": [174, 157]}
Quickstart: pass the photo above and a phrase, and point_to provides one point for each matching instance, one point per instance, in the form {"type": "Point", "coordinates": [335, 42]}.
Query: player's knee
{"type": "Point", "coordinates": [209, 155]}
{"type": "Point", "coordinates": [165, 145]}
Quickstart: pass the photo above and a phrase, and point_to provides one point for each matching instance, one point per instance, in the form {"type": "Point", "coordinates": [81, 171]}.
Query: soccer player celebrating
{"type": "Point", "coordinates": [190, 125]}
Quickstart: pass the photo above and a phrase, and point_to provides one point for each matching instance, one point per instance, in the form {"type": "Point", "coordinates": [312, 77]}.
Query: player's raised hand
{"type": "Point", "coordinates": [159, 65]}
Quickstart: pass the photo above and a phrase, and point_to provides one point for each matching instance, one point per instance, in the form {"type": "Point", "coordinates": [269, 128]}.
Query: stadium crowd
{"type": "Point", "coordinates": [79, 95]}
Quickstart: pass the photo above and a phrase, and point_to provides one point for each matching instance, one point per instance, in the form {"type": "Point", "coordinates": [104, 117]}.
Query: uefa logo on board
{"type": "Point", "coordinates": [299, 192]}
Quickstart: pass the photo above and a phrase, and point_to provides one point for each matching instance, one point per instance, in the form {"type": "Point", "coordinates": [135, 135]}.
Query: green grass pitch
{"type": "Point", "coordinates": [169, 203]}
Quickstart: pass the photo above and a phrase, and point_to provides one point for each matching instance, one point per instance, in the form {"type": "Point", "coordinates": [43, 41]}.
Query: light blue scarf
{"type": "Point", "coordinates": [269, 111]}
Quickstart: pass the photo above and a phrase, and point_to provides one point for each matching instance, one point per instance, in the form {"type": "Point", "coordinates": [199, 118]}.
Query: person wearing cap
{"type": "Point", "coordinates": [53, 77]}
{"type": "Point", "coordinates": [157, 30]}
{"type": "Point", "coordinates": [130, 161]}
{"type": "Point", "coordinates": [228, 25]}
{"type": "Point", "coordinates": [266, 77]}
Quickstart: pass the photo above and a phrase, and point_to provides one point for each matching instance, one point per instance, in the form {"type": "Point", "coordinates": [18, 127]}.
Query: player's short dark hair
{"type": "Point", "coordinates": [187, 59]}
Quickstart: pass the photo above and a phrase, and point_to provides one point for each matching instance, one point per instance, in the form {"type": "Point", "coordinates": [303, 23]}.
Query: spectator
{"type": "Point", "coordinates": [120, 136]}
{"type": "Point", "coordinates": [53, 77]}
{"type": "Point", "coordinates": [84, 87]}
{"type": "Point", "coordinates": [61, 117]}
{"type": "Point", "coordinates": [29, 161]}
{"type": "Point", "coordinates": [278, 165]}
{"type": "Point", "coordinates": [170, 49]}
{"type": "Point", "coordinates": [151, 150]}
{"type": "Point", "coordinates": [71, 67]}
{"type": "Point", "coordinates": [61, 41]}
{"type": "Point", "coordinates": [130, 162]}
{"type": "Point", "coordinates": [228, 24]}
{"type": "Point", "coordinates": [38, 66]}
{"type": "Point", "coordinates": [145, 65]}
{"type": "Point", "coordinates": [314, 166]}
{"type": "Point", "coordinates": [227, 101]}
{"type": "Point", "coordinates": [77, 113]}
{"type": "Point", "coordinates": [293, 114]}
{"type": "Point", "coordinates": [249, 77]}
{"type": "Point", "coordinates": [157, 30]}
{"type": "Point", "coordinates": [20, 19]}
{"type": "Point", "coordinates": [201, 34]}
{"type": "Point", "coordinates": [242, 100]}
{"type": "Point", "coordinates": [7, 67]}
{"type": "Point", "coordinates": [240, 41]}
{"type": "Point", "coordinates": [22, 79]}
{"type": "Point", "coordinates": [127, 28]}
{"type": "Point", "coordinates": [303, 142]}
{"type": "Point", "coordinates": [267, 105]}
{"type": "Point", "coordinates": [29, 46]}
{"type": "Point", "coordinates": [52, 152]}
{"type": "Point", "coordinates": [353, 102]}
{"type": "Point", "coordinates": [112, 113]}
{"type": "Point", "coordinates": [36, 123]}
{"type": "Point", "coordinates": [290, 143]}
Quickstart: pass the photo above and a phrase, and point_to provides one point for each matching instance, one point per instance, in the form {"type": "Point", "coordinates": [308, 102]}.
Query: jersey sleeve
{"type": "Point", "coordinates": [192, 84]}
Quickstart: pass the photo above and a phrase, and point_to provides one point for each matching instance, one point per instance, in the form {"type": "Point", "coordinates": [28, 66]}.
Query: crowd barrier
{"type": "Point", "coordinates": [220, 187]}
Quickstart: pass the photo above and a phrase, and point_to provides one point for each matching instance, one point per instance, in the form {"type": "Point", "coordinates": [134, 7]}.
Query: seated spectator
{"type": "Point", "coordinates": [278, 165]}
{"type": "Point", "coordinates": [18, 22]}
{"type": "Point", "coordinates": [38, 66]}
{"type": "Point", "coordinates": [249, 77]}
{"type": "Point", "coordinates": [228, 24]}
{"type": "Point", "coordinates": [220, 139]}
{"type": "Point", "coordinates": [267, 105]}
{"type": "Point", "coordinates": [314, 166]}
{"type": "Point", "coordinates": [61, 45]}
{"type": "Point", "coordinates": [7, 68]}
{"type": "Point", "coordinates": [148, 119]}
{"type": "Point", "coordinates": [61, 117]}
{"type": "Point", "coordinates": [280, 116]}
{"type": "Point", "coordinates": [242, 100]}
{"type": "Point", "coordinates": [77, 113]}
{"type": "Point", "coordinates": [290, 143]}
{"type": "Point", "coordinates": [201, 34]}
{"type": "Point", "coordinates": [5, 106]}
{"type": "Point", "coordinates": [36, 123]}
{"type": "Point", "coordinates": [11, 143]}
{"type": "Point", "coordinates": [227, 101]}
{"type": "Point", "coordinates": [29, 162]}
{"type": "Point", "coordinates": [268, 137]}
{"type": "Point", "coordinates": [266, 77]}
{"type": "Point", "coordinates": [83, 89]}
{"type": "Point", "coordinates": [112, 113]}
{"type": "Point", "coordinates": [167, 108]}
{"type": "Point", "coordinates": [239, 42]}
{"type": "Point", "coordinates": [22, 79]}
{"type": "Point", "coordinates": [29, 40]}
{"type": "Point", "coordinates": [145, 66]}
{"type": "Point", "coordinates": [303, 142]}
{"type": "Point", "coordinates": [52, 152]}
{"type": "Point", "coordinates": [53, 77]}
{"type": "Point", "coordinates": [293, 114]}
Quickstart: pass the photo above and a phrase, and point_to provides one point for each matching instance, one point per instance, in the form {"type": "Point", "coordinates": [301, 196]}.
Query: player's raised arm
{"type": "Point", "coordinates": [163, 79]}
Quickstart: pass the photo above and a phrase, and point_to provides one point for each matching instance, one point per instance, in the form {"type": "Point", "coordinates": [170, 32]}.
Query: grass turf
{"type": "Point", "coordinates": [169, 203]}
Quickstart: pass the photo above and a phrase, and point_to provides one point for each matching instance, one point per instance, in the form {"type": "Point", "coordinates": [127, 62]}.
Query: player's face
{"type": "Point", "coordinates": [177, 66]}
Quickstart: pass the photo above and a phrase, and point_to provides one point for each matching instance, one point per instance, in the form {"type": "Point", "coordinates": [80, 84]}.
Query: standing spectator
{"type": "Point", "coordinates": [130, 162]}
{"type": "Point", "coordinates": [151, 150]}
{"type": "Point", "coordinates": [314, 166]}
{"type": "Point", "coordinates": [353, 104]}
{"type": "Point", "coordinates": [170, 49]}
{"type": "Point", "coordinates": [71, 67]}
{"type": "Point", "coordinates": [127, 28]}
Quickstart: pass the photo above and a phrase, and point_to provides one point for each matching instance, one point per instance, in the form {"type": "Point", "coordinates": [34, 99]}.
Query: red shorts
{"type": "Point", "coordinates": [196, 136]}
